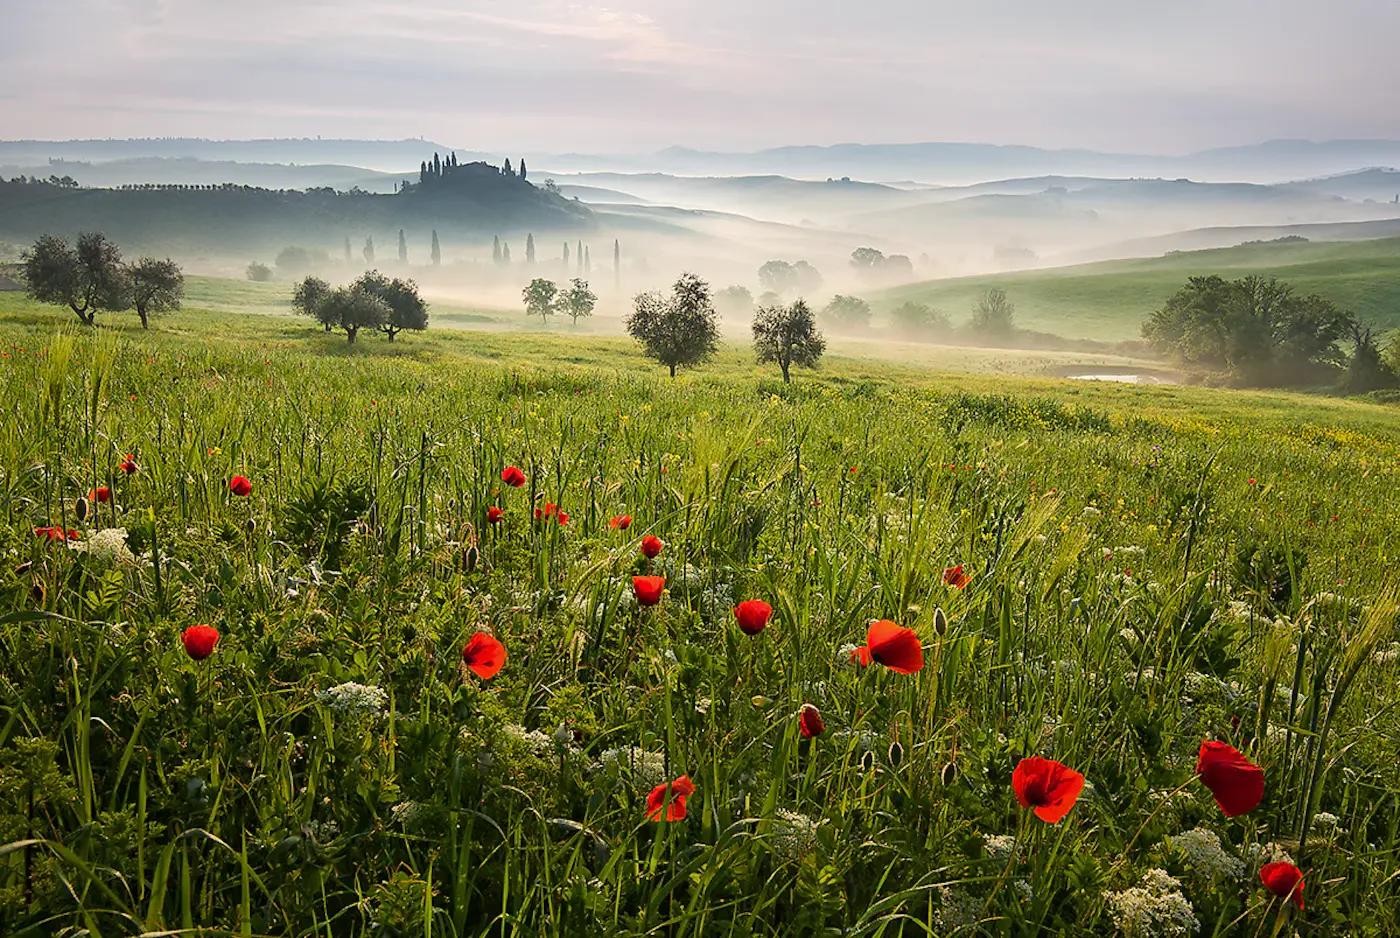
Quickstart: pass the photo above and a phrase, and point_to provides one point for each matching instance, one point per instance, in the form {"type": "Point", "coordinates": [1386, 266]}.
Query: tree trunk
{"type": "Point", "coordinates": [327, 325]}
{"type": "Point", "coordinates": [673, 371]}
{"type": "Point", "coordinates": [786, 378]}
{"type": "Point", "coordinates": [390, 333]}
{"type": "Point", "coordinates": [145, 320]}
{"type": "Point", "coordinates": [351, 334]}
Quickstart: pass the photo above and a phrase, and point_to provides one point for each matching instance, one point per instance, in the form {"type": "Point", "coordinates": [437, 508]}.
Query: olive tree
{"type": "Point", "coordinates": [539, 298]}
{"type": "Point", "coordinates": [87, 279]}
{"type": "Point", "coordinates": [680, 330]}
{"type": "Point", "coordinates": [307, 297]}
{"type": "Point", "coordinates": [157, 286]}
{"type": "Point", "coordinates": [406, 307]}
{"type": "Point", "coordinates": [788, 336]}
{"type": "Point", "coordinates": [578, 301]}
{"type": "Point", "coordinates": [352, 310]}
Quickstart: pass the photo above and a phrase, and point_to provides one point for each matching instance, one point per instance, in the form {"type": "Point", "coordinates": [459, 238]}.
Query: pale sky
{"type": "Point", "coordinates": [629, 75]}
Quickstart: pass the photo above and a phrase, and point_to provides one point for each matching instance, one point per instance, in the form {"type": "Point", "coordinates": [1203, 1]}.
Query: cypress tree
{"type": "Point", "coordinates": [529, 240]}
{"type": "Point", "coordinates": [522, 168]}
{"type": "Point", "coordinates": [566, 257]}
{"type": "Point", "coordinates": [437, 251]}
{"type": "Point", "coordinates": [403, 248]}
{"type": "Point", "coordinates": [588, 259]}
{"type": "Point", "coordinates": [347, 249]}
{"type": "Point", "coordinates": [617, 265]}
{"type": "Point", "coordinates": [505, 253]}
{"type": "Point", "coordinates": [506, 169]}
{"type": "Point", "coordinates": [578, 258]}
{"type": "Point", "coordinates": [496, 248]}
{"type": "Point", "coordinates": [437, 166]}
{"type": "Point", "coordinates": [423, 171]}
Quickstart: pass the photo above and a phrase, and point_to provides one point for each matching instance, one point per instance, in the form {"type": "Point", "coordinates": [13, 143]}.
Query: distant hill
{"type": "Point", "coordinates": [1379, 184]}
{"type": "Point", "coordinates": [185, 170]}
{"type": "Point", "coordinates": [1109, 300]}
{"type": "Point", "coordinates": [389, 155]}
{"type": "Point", "coordinates": [199, 221]}
{"type": "Point", "coordinates": [1221, 236]}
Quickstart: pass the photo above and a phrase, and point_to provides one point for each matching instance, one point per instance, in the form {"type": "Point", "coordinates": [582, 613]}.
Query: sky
{"type": "Point", "coordinates": [637, 75]}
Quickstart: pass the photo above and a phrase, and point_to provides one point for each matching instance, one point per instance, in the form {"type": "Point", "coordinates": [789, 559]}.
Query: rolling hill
{"type": "Point", "coordinates": [1109, 300]}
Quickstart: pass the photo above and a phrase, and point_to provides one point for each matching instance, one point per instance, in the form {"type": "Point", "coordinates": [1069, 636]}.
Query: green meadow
{"type": "Point", "coordinates": [1147, 568]}
{"type": "Point", "coordinates": [1109, 300]}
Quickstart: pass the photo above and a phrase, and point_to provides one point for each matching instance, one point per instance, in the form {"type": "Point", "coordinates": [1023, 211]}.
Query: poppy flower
{"type": "Point", "coordinates": [620, 522]}
{"type": "Point", "coordinates": [648, 589]}
{"type": "Point", "coordinates": [956, 577]}
{"type": "Point", "coordinates": [753, 616]}
{"type": "Point", "coordinates": [1047, 787]}
{"type": "Point", "coordinates": [128, 465]}
{"type": "Point", "coordinates": [894, 646]}
{"type": "Point", "coordinates": [240, 486]}
{"type": "Point", "coordinates": [100, 494]}
{"type": "Point", "coordinates": [55, 533]}
{"type": "Point", "coordinates": [513, 476]}
{"type": "Point", "coordinates": [1236, 783]}
{"type": "Point", "coordinates": [667, 800]}
{"type": "Point", "coordinates": [562, 517]}
{"type": "Point", "coordinates": [1283, 880]}
{"type": "Point", "coordinates": [199, 641]}
{"type": "Point", "coordinates": [484, 655]}
{"type": "Point", "coordinates": [494, 514]}
{"type": "Point", "coordinates": [651, 546]}
{"type": "Point", "coordinates": [809, 722]}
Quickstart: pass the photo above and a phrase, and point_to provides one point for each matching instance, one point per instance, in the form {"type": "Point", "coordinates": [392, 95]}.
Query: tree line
{"type": "Point", "coordinates": [373, 301]}
{"type": "Point", "coordinates": [90, 277]}
{"type": "Point", "coordinates": [1261, 331]}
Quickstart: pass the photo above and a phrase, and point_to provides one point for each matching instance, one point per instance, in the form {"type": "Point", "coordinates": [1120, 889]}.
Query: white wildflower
{"type": "Point", "coordinates": [794, 835]}
{"type": "Point", "coordinates": [536, 741]}
{"type": "Point", "coordinates": [646, 768]}
{"type": "Point", "coordinates": [353, 700]}
{"type": "Point", "coordinates": [956, 909]}
{"type": "Point", "coordinates": [107, 546]}
{"type": "Point", "coordinates": [1155, 908]}
{"type": "Point", "coordinates": [1206, 856]}
{"type": "Point", "coordinates": [999, 846]}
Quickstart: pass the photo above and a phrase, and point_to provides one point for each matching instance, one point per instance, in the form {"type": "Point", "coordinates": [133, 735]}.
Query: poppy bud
{"type": "Point", "coordinates": [80, 508]}
{"type": "Point", "coordinates": [940, 623]}
{"type": "Point", "coordinates": [759, 701]}
{"type": "Point", "coordinates": [251, 525]}
{"type": "Point", "coordinates": [896, 753]}
{"type": "Point", "coordinates": [867, 761]}
{"type": "Point", "coordinates": [24, 568]}
{"type": "Point", "coordinates": [37, 593]}
{"type": "Point", "coordinates": [469, 558]}
{"type": "Point", "coordinates": [949, 773]}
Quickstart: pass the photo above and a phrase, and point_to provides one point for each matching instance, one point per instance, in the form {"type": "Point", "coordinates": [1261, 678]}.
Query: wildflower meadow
{"type": "Point", "coordinates": [304, 641]}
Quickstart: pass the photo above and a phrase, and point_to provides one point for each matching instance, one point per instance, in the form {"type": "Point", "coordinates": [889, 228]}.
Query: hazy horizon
{"type": "Point", "coordinates": [638, 77]}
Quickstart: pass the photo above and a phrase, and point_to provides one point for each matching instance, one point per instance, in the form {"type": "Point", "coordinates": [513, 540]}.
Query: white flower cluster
{"type": "Point", "coordinates": [999, 846]}
{"type": "Point", "coordinates": [956, 909]}
{"type": "Point", "coordinates": [409, 814]}
{"type": "Point", "coordinates": [794, 835]}
{"type": "Point", "coordinates": [538, 742]}
{"type": "Point", "coordinates": [1206, 855]}
{"type": "Point", "coordinates": [1259, 855]}
{"type": "Point", "coordinates": [1155, 908]}
{"type": "Point", "coordinates": [355, 700]}
{"type": "Point", "coordinates": [107, 546]}
{"type": "Point", "coordinates": [1326, 822]}
{"type": "Point", "coordinates": [1387, 655]}
{"type": "Point", "coordinates": [645, 767]}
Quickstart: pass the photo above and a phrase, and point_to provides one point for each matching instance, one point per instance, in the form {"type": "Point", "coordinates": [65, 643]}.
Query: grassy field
{"type": "Point", "coordinates": [1148, 568]}
{"type": "Point", "coordinates": [1110, 300]}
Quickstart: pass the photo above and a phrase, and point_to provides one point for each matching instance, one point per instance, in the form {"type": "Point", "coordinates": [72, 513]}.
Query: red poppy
{"type": "Point", "coordinates": [240, 486]}
{"type": "Point", "coordinates": [563, 517]}
{"type": "Point", "coordinates": [512, 476]}
{"type": "Point", "coordinates": [620, 522]}
{"type": "Point", "coordinates": [648, 589]}
{"type": "Point", "coordinates": [55, 533]}
{"type": "Point", "coordinates": [651, 546]}
{"type": "Point", "coordinates": [199, 641]}
{"type": "Point", "coordinates": [667, 800]}
{"type": "Point", "coordinates": [809, 722]}
{"type": "Point", "coordinates": [753, 616]}
{"type": "Point", "coordinates": [956, 577]}
{"type": "Point", "coordinates": [128, 465]}
{"type": "Point", "coordinates": [484, 655]}
{"type": "Point", "coordinates": [1047, 787]}
{"type": "Point", "coordinates": [494, 514]}
{"type": "Point", "coordinates": [1236, 783]}
{"type": "Point", "coordinates": [894, 646]}
{"type": "Point", "coordinates": [1283, 880]}
{"type": "Point", "coordinates": [100, 494]}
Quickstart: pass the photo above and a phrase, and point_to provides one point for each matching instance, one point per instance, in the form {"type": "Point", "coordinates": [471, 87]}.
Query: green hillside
{"type": "Point", "coordinates": [1109, 300]}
